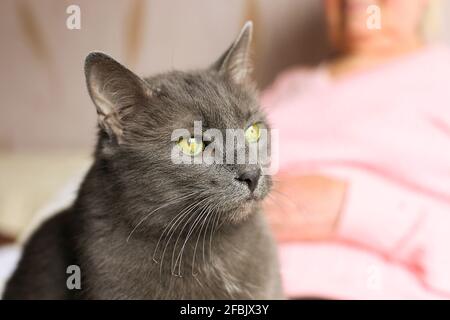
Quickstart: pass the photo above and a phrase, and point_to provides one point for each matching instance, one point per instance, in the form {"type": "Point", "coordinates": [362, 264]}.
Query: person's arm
{"type": "Point", "coordinates": [306, 207]}
{"type": "Point", "coordinates": [409, 229]}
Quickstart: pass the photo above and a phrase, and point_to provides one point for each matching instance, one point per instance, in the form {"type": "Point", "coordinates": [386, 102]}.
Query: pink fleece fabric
{"type": "Point", "coordinates": [386, 131]}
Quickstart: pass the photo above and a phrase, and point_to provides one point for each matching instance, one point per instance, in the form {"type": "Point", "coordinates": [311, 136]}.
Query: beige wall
{"type": "Point", "coordinates": [44, 104]}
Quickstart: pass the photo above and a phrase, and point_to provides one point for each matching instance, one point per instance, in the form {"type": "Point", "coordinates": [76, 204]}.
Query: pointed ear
{"type": "Point", "coordinates": [235, 62]}
{"type": "Point", "coordinates": [115, 91]}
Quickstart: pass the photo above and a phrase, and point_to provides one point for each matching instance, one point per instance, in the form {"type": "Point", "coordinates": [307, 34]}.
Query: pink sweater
{"type": "Point", "coordinates": [386, 132]}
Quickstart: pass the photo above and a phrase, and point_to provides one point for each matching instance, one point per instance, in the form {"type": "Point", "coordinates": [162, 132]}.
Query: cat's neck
{"type": "Point", "coordinates": [201, 244]}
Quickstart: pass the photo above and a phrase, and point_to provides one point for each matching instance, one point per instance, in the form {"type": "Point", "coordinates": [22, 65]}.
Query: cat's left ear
{"type": "Point", "coordinates": [235, 62]}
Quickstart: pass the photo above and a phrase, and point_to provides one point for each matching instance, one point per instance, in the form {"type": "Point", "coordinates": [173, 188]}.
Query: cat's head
{"type": "Point", "coordinates": [139, 119]}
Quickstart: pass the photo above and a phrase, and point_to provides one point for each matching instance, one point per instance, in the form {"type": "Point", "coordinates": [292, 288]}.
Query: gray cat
{"type": "Point", "coordinates": [143, 227]}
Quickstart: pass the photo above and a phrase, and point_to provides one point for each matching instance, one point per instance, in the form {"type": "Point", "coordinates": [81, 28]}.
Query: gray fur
{"type": "Point", "coordinates": [114, 230]}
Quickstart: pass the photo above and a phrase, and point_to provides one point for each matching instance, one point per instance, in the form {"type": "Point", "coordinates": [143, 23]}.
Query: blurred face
{"type": "Point", "coordinates": [347, 23]}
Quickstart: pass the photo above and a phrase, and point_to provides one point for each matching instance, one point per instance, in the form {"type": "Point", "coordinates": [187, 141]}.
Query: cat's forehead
{"type": "Point", "coordinates": [207, 97]}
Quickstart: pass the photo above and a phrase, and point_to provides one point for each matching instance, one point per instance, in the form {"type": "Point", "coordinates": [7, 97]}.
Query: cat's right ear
{"type": "Point", "coordinates": [115, 91]}
{"type": "Point", "coordinates": [235, 62]}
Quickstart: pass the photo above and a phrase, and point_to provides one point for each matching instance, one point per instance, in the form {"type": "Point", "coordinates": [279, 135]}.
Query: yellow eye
{"type": "Point", "coordinates": [253, 133]}
{"type": "Point", "coordinates": [191, 146]}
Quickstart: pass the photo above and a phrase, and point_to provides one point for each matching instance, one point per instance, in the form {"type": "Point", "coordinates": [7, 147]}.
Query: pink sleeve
{"type": "Point", "coordinates": [284, 84]}
{"type": "Point", "coordinates": [434, 239]}
{"type": "Point", "coordinates": [270, 96]}
{"type": "Point", "coordinates": [335, 270]}
{"type": "Point", "coordinates": [407, 227]}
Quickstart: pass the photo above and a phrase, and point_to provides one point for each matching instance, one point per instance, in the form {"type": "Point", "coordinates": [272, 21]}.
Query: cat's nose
{"type": "Point", "coordinates": [251, 178]}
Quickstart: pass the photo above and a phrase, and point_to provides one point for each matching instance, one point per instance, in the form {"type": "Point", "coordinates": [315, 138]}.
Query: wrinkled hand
{"type": "Point", "coordinates": [305, 208]}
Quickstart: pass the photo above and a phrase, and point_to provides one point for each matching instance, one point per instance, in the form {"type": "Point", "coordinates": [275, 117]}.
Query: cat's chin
{"type": "Point", "coordinates": [245, 210]}
{"type": "Point", "coordinates": [248, 207]}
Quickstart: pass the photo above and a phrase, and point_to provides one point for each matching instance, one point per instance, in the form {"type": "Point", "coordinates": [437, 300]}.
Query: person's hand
{"type": "Point", "coordinates": [305, 207]}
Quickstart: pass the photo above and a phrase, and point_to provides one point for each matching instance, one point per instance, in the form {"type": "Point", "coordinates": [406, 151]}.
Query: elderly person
{"type": "Point", "coordinates": [362, 201]}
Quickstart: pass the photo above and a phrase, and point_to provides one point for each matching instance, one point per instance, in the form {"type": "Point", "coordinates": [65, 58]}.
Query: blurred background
{"type": "Point", "coordinates": [47, 121]}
